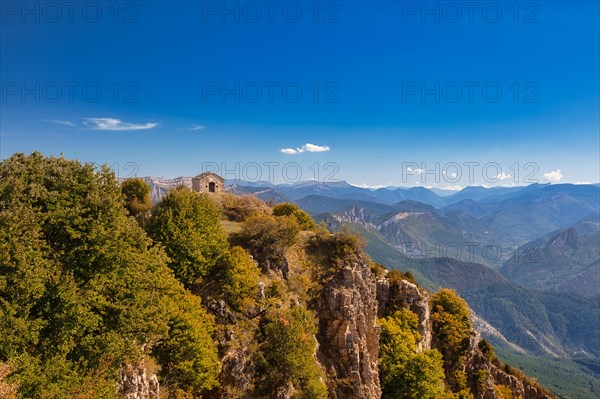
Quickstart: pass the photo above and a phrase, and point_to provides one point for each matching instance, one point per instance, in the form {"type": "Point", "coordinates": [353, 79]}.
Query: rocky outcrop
{"type": "Point", "coordinates": [135, 383]}
{"type": "Point", "coordinates": [237, 375]}
{"type": "Point", "coordinates": [397, 294]}
{"type": "Point", "coordinates": [238, 371]}
{"type": "Point", "coordinates": [485, 377]}
{"type": "Point", "coordinates": [348, 333]}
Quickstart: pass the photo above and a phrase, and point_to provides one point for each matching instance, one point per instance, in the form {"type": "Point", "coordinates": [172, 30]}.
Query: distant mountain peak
{"type": "Point", "coordinates": [567, 238]}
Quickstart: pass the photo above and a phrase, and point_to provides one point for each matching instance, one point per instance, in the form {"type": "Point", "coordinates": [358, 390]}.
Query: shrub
{"type": "Point", "coordinates": [503, 392]}
{"type": "Point", "coordinates": [266, 238]}
{"type": "Point", "coordinates": [286, 209]}
{"type": "Point", "coordinates": [241, 278]}
{"type": "Point", "coordinates": [377, 269]}
{"type": "Point", "coordinates": [396, 276]}
{"type": "Point", "coordinates": [238, 208]}
{"type": "Point", "coordinates": [487, 349]}
{"type": "Point", "coordinates": [332, 251]}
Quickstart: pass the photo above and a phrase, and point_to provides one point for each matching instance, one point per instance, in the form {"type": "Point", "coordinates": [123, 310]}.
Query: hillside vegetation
{"type": "Point", "coordinates": [213, 296]}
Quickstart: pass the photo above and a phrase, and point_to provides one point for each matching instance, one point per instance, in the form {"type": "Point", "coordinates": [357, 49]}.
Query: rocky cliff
{"type": "Point", "coordinates": [348, 333]}
{"type": "Point", "coordinates": [406, 294]}
{"type": "Point", "coordinates": [486, 377]}
{"type": "Point", "coordinates": [136, 384]}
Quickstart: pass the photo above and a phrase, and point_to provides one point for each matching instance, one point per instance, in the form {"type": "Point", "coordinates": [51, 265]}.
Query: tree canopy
{"type": "Point", "coordinates": [137, 196]}
{"type": "Point", "coordinates": [82, 289]}
{"type": "Point", "coordinates": [406, 374]}
{"type": "Point", "coordinates": [187, 225]}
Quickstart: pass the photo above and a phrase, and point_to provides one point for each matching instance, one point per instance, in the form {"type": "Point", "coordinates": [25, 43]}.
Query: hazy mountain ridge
{"type": "Point", "coordinates": [563, 261]}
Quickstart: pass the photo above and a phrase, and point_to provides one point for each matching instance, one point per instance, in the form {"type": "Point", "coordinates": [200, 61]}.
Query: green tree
{"type": "Point", "coordinates": [82, 290]}
{"type": "Point", "coordinates": [286, 209]}
{"type": "Point", "coordinates": [241, 278]}
{"type": "Point", "coordinates": [187, 355]}
{"type": "Point", "coordinates": [404, 373]}
{"type": "Point", "coordinates": [288, 351]}
{"type": "Point", "coordinates": [451, 332]}
{"type": "Point", "coordinates": [188, 227]}
{"type": "Point", "coordinates": [451, 322]}
{"type": "Point", "coordinates": [137, 197]}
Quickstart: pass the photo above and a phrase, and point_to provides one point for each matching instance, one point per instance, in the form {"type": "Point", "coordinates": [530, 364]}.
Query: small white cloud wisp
{"type": "Point", "coordinates": [308, 147]}
{"type": "Point", "coordinates": [115, 125]}
{"type": "Point", "coordinates": [197, 127]}
{"type": "Point", "coordinates": [61, 122]}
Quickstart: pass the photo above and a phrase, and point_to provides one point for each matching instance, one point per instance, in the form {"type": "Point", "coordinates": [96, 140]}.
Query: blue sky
{"type": "Point", "coordinates": [373, 93]}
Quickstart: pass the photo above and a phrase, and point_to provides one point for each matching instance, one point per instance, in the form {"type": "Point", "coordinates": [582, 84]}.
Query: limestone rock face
{"type": "Point", "coordinates": [348, 333]}
{"type": "Point", "coordinates": [135, 383]}
{"type": "Point", "coordinates": [477, 363]}
{"type": "Point", "coordinates": [406, 294]}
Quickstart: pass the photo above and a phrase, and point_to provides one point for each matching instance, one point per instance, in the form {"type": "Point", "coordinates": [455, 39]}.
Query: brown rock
{"type": "Point", "coordinates": [348, 333]}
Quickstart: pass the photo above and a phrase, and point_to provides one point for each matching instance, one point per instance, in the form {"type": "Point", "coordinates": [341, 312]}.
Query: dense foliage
{"type": "Point", "coordinates": [241, 278]}
{"type": "Point", "coordinates": [187, 225]}
{"type": "Point", "coordinates": [406, 374]}
{"type": "Point", "coordinates": [82, 290]}
{"type": "Point", "coordinates": [333, 250]}
{"type": "Point", "coordinates": [137, 196]}
{"type": "Point", "coordinates": [94, 283]}
{"type": "Point", "coordinates": [451, 330]}
{"type": "Point", "coordinates": [289, 354]}
{"type": "Point", "coordinates": [286, 209]}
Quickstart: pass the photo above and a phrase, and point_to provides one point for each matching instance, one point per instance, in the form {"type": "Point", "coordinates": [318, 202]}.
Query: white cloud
{"type": "Point", "coordinates": [61, 122]}
{"type": "Point", "coordinates": [197, 127]}
{"type": "Point", "coordinates": [308, 147]}
{"type": "Point", "coordinates": [502, 176]}
{"type": "Point", "coordinates": [583, 182]}
{"type": "Point", "coordinates": [291, 151]}
{"type": "Point", "coordinates": [415, 171]}
{"type": "Point", "coordinates": [315, 148]}
{"type": "Point", "coordinates": [553, 176]}
{"type": "Point", "coordinates": [113, 124]}
{"type": "Point", "coordinates": [453, 188]}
